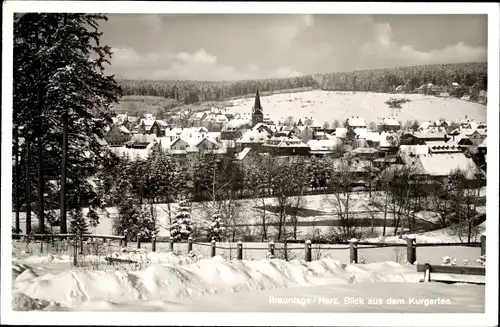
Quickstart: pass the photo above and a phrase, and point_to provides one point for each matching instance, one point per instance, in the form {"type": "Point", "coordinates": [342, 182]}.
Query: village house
{"type": "Point", "coordinates": [252, 138]}
{"type": "Point", "coordinates": [388, 124]}
{"type": "Point", "coordinates": [356, 122]}
{"type": "Point", "coordinates": [280, 145]}
{"type": "Point", "coordinates": [141, 141]}
{"type": "Point", "coordinates": [440, 161]}
{"type": "Point", "coordinates": [422, 138]}
{"type": "Point", "coordinates": [117, 135]}
{"type": "Point", "coordinates": [130, 122]}
{"type": "Point", "coordinates": [305, 133]}
{"type": "Point", "coordinates": [321, 148]}
{"type": "Point", "coordinates": [477, 137]}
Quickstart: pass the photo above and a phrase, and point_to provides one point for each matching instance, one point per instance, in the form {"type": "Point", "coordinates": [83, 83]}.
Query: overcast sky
{"type": "Point", "coordinates": [231, 46]}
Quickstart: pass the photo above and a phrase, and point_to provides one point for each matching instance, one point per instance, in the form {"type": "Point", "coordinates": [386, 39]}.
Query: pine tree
{"type": "Point", "coordinates": [216, 228]}
{"type": "Point", "coordinates": [182, 227]}
{"type": "Point", "coordinates": [78, 224]}
{"type": "Point", "coordinates": [59, 65]}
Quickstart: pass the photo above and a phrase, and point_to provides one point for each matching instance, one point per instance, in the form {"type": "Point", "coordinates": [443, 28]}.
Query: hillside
{"type": "Point", "coordinates": [380, 80]}
{"type": "Point", "coordinates": [327, 106]}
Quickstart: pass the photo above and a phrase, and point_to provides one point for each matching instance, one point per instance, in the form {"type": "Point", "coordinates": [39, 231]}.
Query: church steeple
{"type": "Point", "coordinates": [257, 107]}
{"type": "Point", "coordinates": [257, 114]}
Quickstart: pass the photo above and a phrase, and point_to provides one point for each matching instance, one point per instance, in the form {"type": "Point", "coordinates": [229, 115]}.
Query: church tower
{"type": "Point", "coordinates": [257, 113]}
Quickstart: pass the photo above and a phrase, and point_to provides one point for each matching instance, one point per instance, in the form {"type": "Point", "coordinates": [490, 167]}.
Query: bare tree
{"type": "Point", "coordinates": [340, 196]}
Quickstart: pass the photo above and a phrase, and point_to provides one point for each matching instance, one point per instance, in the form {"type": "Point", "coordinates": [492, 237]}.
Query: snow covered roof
{"type": "Point", "coordinates": [253, 136]}
{"type": "Point", "coordinates": [237, 123]}
{"type": "Point", "coordinates": [389, 121]}
{"type": "Point", "coordinates": [429, 135]}
{"type": "Point", "coordinates": [124, 129]}
{"type": "Point", "coordinates": [323, 145]}
{"type": "Point", "coordinates": [242, 155]}
{"type": "Point", "coordinates": [142, 138]}
{"type": "Point", "coordinates": [284, 141]}
{"type": "Point", "coordinates": [146, 122]}
{"type": "Point", "coordinates": [483, 144]}
{"type": "Point", "coordinates": [356, 121]}
{"type": "Point", "coordinates": [414, 149]}
{"type": "Point", "coordinates": [443, 164]}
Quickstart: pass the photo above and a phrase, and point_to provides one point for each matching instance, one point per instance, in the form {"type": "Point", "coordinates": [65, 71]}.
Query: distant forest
{"type": "Point", "coordinates": [378, 80]}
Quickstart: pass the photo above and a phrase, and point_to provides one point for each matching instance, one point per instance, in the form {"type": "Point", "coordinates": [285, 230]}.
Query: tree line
{"type": "Point", "coordinates": [278, 186]}
{"type": "Point", "coordinates": [378, 80]}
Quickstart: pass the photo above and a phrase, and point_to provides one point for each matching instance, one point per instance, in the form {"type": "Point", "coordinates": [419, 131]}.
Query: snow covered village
{"type": "Point", "coordinates": [163, 172]}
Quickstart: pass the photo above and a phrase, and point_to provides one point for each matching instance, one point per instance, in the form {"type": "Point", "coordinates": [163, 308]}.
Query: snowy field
{"type": "Point", "coordinates": [317, 215]}
{"type": "Point", "coordinates": [177, 283]}
{"type": "Point", "coordinates": [331, 105]}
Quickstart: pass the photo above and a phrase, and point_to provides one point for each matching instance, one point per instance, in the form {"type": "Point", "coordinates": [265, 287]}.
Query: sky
{"type": "Point", "coordinates": [219, 47]}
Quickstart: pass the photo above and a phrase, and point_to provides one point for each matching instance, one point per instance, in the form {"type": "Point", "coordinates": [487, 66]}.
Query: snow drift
{"type": "Point", "coordinates": [73, 288]}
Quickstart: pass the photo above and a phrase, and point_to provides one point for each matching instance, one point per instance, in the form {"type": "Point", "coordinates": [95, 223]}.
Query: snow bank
{"type": "Point", "coordinates": [72, 288]}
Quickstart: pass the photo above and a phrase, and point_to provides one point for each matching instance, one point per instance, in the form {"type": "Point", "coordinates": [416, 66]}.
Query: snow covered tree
{"type": "Point", "coordinates": [216, 228]}
{"type": "Point", "coordinates": [78, 224]}
{"type": "Point", "coordinates": [182, 227]}
{"type": "Point", "coordinates": [62, 94]}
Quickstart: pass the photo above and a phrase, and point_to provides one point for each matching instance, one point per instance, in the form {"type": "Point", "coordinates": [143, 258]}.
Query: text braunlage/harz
{"type": "Point", "coordinates": [350, 300]}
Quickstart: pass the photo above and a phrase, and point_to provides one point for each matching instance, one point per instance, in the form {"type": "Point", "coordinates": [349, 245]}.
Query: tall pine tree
{"type": "Point", "coordinates": [62, 101]}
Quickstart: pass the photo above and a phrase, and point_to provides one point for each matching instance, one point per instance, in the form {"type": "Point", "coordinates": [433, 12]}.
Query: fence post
{"type": "Point", "coordinates": [239, 253]}
{"type": "Point", "coordinates": [41, 243]}
{"type": "Point", "coordinates": [353, 250]}
{"type": "Point", "coordinates": [307, 248]}
{"type": "Point", "coordinates": [81, 243]}
{"type": "Point", "coordinates": [213, 248]}
{"type": "Point", "coordinates": [153, 243]}
{"type": "Point", "coordinates": [411, 250]}
{"type": "Point", "coordinates": [75, 252]}
{"type": "Point", "coordinates": [138, 240]}
{"type": "Point", "coordinates": [171, 245]}
{"type": "Point", "coordinates": [190, 244]}
{"type": "Point", "coordinates": [271, 248]}
{"type": "Point", "coordinates": [483, 244]}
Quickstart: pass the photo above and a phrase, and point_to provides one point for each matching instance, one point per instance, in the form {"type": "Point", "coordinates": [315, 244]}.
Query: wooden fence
{"type": "Point", "coordinates": [353, 245]}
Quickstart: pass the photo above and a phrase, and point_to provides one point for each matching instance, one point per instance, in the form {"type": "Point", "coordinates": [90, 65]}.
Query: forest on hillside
{"type": "Point", "coordinates": [378, 80]}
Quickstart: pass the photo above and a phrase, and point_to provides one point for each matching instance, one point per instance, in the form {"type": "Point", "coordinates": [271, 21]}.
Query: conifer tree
{"type": "Point", "coordinates": [62, 93]}
{"type": "Point", "coordinates": [216, 228]}
{"type": "Point", "coordinates": [182, 227]}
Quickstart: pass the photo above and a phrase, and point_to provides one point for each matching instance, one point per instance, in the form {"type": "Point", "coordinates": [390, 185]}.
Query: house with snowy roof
{"type": "Point", "coordinates": [440, 162]}
{"type": "Point", "coordinates": [252, 138]}
{"type": "Point", "coordinates": [233, 129]}
{"type": "Point", "coordinates": [285, 146]}
{"type": "Point", "coordinates": [141, 141]}
{"type": "Point", "coordinates": [388, 124]}
{"type": "Point", "coordinates": [356, 122]}
{"type": "Point", "coordinates": [303, 132]}
{"type": "Point", "coordinates": [422, 138]}
{"type": "Point", "coordinates": [117, 135]}
{"type": "Point", "coordinates": [328, 147]}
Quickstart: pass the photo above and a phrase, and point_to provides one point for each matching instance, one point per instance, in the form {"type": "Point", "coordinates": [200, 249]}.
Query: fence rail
{"type": "Point", "coordinates": [353, 245]}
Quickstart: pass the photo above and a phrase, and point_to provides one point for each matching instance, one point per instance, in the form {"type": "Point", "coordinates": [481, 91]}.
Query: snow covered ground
{"type": "Point", "coordinates": [319, 215]}
{"type": "Point", "coordinates": [184, 284]}
{"type": "Point", "coordinates": [331, 105]}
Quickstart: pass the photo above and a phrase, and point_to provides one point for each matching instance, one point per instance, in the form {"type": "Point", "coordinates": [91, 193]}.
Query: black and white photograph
{"type": "Point", "coordinates": [250, 163]}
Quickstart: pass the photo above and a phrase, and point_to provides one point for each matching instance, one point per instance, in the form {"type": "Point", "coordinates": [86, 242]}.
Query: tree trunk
{"type": "Point", "coordinates": [28, 181]}
{"type": "Point", "coordinates": [63, 204]}
{"type": "Point", "coordinates": [41, 182]}
{"type": "Point", "coordinates": [16, 181]}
